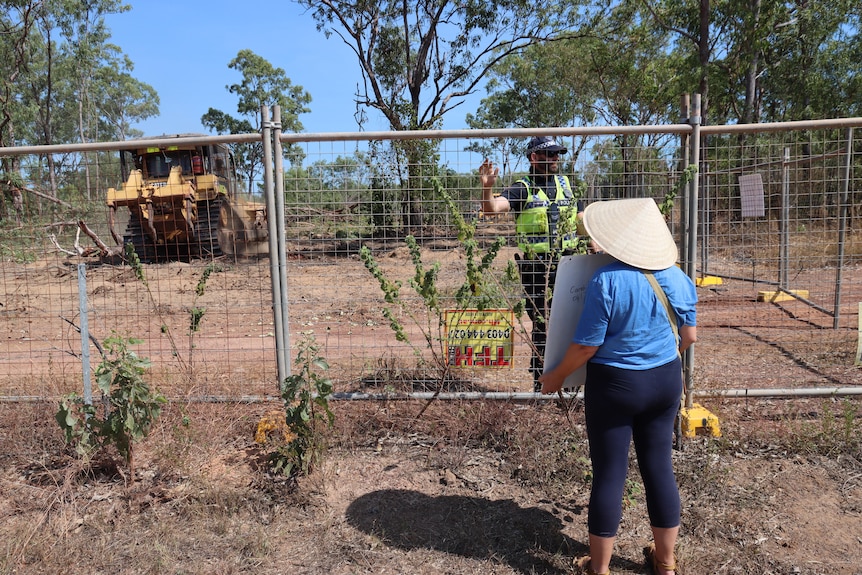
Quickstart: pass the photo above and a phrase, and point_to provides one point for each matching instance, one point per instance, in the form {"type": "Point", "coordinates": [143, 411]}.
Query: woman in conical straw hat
{"type": "Point", "coordinates": [631, 342]}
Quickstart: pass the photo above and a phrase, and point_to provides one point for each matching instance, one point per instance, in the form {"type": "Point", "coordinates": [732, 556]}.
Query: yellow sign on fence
{"type": "Point", "coordinates": [477, 338]}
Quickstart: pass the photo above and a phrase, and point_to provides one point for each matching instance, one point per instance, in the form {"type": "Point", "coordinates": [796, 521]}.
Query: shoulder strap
{"type": "Point", "coordinates": [563, 184]}
{"type": "Point", "coordinates": [662, 297]}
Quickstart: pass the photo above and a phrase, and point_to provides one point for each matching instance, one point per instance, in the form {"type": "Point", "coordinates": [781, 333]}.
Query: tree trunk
{"type": "Point", "coordinates": [749, 112]}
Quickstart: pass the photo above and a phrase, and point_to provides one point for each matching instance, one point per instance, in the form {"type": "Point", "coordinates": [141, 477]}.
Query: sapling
{"type": "Point", "coordinates": [131, 406]}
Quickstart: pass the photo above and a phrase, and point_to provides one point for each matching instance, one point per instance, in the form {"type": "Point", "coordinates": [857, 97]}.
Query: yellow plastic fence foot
{"type": "Point", "coordinates": [778, 295]}
{"type": "Point", "coordinates": [708, 281]}
{"type": "Point", "coordinates": [696, 419]}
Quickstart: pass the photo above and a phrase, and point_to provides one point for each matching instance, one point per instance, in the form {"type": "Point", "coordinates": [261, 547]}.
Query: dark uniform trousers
{"type": "Point", "coordinates": [538, 276]}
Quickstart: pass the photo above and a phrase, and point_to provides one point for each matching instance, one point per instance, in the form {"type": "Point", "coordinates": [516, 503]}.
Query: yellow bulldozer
{"type": "Point", "coordinates": [184, 202]}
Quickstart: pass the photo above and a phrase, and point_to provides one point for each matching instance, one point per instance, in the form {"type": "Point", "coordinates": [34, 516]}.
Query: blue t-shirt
{"type": "Point", "coordinates": [624, 318]}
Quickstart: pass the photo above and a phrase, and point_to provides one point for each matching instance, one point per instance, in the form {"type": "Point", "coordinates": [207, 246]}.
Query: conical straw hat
{"type": "Point", "coordinates": [633, 231]}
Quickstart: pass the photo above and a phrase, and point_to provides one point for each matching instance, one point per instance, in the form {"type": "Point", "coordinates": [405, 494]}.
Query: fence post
{"type": "Point", "coordinates": [278, 158]}
{"type": "Point", "coordinates": [85, 333]}
{"type": "Point", "coordinates": [685, 110]}
{"type": "Point", "coordinates": [274, 274]}
{"type": "Point", "coordinates": [843, 208]}
{"type": "Point", "coordinates": [784, 222]}
{"type": "Point", "coordinates": [691, 234]}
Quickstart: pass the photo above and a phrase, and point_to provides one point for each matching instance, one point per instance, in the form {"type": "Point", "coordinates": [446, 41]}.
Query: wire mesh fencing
{"type": "Point", "coordinates": [777, 244]}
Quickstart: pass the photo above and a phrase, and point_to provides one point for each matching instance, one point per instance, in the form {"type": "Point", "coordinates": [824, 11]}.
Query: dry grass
{"type": "Point", "coordinates": [470, 487]}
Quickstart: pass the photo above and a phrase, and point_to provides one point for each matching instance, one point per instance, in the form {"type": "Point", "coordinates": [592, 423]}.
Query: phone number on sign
{"type": "Point", "coordinates": [480, 333]}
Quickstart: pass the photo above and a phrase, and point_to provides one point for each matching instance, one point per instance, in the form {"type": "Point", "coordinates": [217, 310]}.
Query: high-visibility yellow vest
{"type": "Point", "coordinates": [533, 224]}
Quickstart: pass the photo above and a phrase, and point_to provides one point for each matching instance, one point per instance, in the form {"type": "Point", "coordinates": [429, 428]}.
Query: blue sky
{"type": "Point", "coordinates": [182, 49]}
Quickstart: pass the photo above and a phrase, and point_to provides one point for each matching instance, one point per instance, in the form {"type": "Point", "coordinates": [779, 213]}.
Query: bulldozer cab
{"type": "Point", "coordinates": [183, 202]}
{"type": "Point", "coordinates": [155, 163]}
{"type": "Point", "coordinates": [159, 165]}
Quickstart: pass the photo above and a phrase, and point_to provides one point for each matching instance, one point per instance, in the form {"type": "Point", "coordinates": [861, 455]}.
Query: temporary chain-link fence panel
{"type": "Point", "coordinates": [778, 259]}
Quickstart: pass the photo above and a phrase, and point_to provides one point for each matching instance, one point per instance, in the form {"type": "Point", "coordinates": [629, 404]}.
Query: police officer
{"type": "Point", "coordinates": [546, 215]}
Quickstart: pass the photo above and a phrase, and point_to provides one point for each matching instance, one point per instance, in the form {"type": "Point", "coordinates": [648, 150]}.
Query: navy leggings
{"type": "Point", "coordinates": [621, 405]}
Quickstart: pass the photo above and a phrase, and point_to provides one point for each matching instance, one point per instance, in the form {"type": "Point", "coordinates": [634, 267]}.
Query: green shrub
{"type": "Point", "coordinates": [306, 407]}
{"type": "Point", "coordinates": [132, 407]}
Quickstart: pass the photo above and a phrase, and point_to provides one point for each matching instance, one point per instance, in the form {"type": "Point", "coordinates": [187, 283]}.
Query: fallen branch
{"type": "Point", "coordinates": [79, 251]}
{"type": "Point", "coordinates": [101, 248]}
{"type": "Point", "coordinates": [105, 251]}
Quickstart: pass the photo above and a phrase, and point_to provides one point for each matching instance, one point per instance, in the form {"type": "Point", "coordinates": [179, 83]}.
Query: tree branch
{"type": "Point", "coordinates": [42, 195]}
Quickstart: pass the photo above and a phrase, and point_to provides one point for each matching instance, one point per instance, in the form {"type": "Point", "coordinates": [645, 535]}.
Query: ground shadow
{"type": "Point", "coordinates": [524, 538]}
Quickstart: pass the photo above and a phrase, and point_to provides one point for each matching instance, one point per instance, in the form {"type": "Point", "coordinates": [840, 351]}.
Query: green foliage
{"type": "Point", "coordinates": [16, 244]}
{"type": "Point", "coordinates": [57, 57]}
{"type": "Point", "coordinates": [74, 417]}
{"type": "Point", "coordinates": [196, 313]}
{"type": "Point", "coordinates": [390, 291]}
{"type": "Point", "coordinates": [538, 87]}
{"type": "Point", "coordinates": [632, 492]}
{"type": "Point", "coordinates": [306, 406]}
{"type": "Point", "coordinates": [666, 204]}
{"type": "Point", "coordinates": [752, 62]}
{"type": "Point", "coordinates": [212, 268]}
{"type": "Point", "coordinates": [835, 432]}
{"type": "Point", "coordinates": [135, 263]}
{"type": "Point", "coordinates": [424, 282]}
{"type": "Point", "coordinates": [11, 180]}
{"type": "Point", "coordinates": [262, 84]}
{"type": "Point", "coordinates": [132, 407]}
{"type": "Point", "coordinates": [479, 289]}
{"type": "Point", "coordinates": [419, 61]}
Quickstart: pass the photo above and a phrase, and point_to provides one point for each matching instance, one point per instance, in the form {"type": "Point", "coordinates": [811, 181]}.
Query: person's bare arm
{"type": "Point", "coordinates": [491, 203]}
{"type": "Point", "coordinates": [687, 336]}
{"type": "Point", "coordinates": [577, 356]}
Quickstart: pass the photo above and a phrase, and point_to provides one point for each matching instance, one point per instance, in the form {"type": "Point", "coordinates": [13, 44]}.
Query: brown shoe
{"type": "Point", "coordinates": [583, 566]}
{"type": "Point", "coordinates": [657, 567]}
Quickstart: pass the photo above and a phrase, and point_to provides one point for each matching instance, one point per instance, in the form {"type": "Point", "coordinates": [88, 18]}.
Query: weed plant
{"type": "Point", "coordinates": [836, 431]}
{"type": "Point", "coordinates": [307, 415]}
{"type": "Point", "coordinates": [480, 290]}
{"type": "Point", "coordinates": [130, 411]}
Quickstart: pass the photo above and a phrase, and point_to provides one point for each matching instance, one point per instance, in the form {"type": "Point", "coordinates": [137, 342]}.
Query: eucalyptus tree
{"type": "Point", "coordinates": [18, 20]}
{"type": "Point", "coordinates": [764, 60]}
{"type": "Point", "coordinates": [638, 83]}
{"type": "Point", "coordinates": [69, 83]}
{"type": "Point", "coordinates": [419, 60]}
{"type": "Point", "coordinates": [17, 25]}
{"type": "Point", "coordinates": [698, 29]}
{"type": "Point", "coordinates": [624, 74]}
{"type": "Point", "coordinates": [85, 33]}
{"type": "Point", "coordinates": [122, 99]}
{"type": "Point", "coordinates": [115, 100]}
{"type": "Point", "coordinates": [811, 61]}
{"type": "Point", "coordinates": [549, 84]}
{"type": "Point", "coordinates": [261, 84]}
